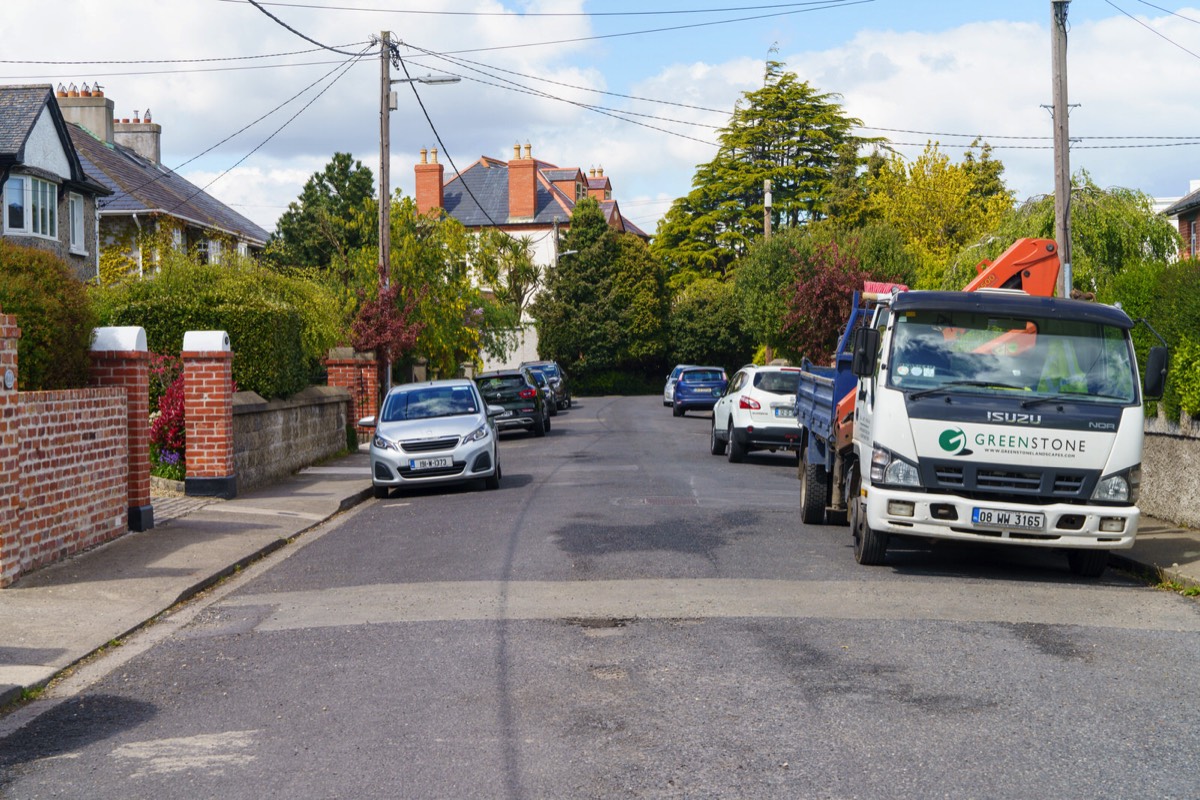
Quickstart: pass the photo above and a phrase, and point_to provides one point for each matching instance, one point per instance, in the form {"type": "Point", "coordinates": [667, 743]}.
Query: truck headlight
{"type": "Point", "coordinates": [889, 469]}
{"type": "Point", "coordinates": [1120, 488]}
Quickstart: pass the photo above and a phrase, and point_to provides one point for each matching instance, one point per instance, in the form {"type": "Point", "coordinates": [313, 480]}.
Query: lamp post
{"type": "Point", "coordinates": [387, 104]}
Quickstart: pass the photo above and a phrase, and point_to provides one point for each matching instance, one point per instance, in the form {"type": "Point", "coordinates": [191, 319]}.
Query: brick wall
{"type": "Point", "coordinates": [274, 439]}
{"type": "Point", "coordinates": [10, 474]}
{"type": "Point", "coordinates": [73, 467]}
{"type": "Point", "coordinates": [358, 374]}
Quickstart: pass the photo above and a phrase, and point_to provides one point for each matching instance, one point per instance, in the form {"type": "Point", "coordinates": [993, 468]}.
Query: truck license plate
{"type": "Point", "coordinates": [1010, 520]}
{"type": "Point", "coordinates": [430, 463]}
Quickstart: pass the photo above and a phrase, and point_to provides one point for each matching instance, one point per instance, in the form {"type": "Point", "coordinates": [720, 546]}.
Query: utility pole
{"type": "Point", "coordinates": [385, 195]}
{"type": "Point", "coordinates": [1062, 145]}
{"type": "Point", "coordinates": [768, 355]}
{"type": "Point", "coordinates": [767, 208]}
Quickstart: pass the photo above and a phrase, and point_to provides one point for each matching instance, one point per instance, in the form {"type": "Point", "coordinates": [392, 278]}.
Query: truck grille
{"type": "Point", "coordinates": [986, 481]}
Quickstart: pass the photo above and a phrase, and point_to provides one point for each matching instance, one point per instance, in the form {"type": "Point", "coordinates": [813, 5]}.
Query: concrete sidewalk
{"type": "Point", "coordinates": [54, 617]}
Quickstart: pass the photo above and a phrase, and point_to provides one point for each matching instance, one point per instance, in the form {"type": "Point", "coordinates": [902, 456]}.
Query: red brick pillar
{"type": "Point", "coordinates": [358, 374]}
{"type": "Point", "coordinates": [120, 359]}
{"type": "Point", "coordinates": [208, 414]}
{"type": "Point", "coordinates": [10, 448]}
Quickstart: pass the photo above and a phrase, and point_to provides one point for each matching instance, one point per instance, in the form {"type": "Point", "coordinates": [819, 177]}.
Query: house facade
{"type": "Point", "coordinates": [149, 207]}
{"type": "Point", "coordinates": [1186, 212]}
{"type": "Point", "coordinates": [50, 201]}
{"type": "Point", "coordinates": [524, 197]}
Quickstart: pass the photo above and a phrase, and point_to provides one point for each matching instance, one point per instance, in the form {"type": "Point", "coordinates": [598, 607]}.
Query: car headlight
{"type": "Point", "coordinates": [1120, 488]}
{"type": "Point", "coordinates": [380, 443]}
{"type": "Point", "coordinates": [474, 436]}
{"type": "Point", "coordinates": [887, 468]}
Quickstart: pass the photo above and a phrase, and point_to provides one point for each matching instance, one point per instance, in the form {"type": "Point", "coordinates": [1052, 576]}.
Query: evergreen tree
{"type": "Point", "coordinates": [787, 132]}
{"type": "Point", "coordinates": [334, 216]}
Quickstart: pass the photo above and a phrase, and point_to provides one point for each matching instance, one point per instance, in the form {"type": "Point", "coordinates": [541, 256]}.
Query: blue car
{"type": "Point", "coordinates": [698, 388]}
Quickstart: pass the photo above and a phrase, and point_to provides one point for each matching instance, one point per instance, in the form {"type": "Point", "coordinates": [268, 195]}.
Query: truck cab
{"type": "Point", "coordinates": [996, 416]}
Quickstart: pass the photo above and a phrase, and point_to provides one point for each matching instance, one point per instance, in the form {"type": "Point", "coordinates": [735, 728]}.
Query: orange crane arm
{"type": "Point", "coordinates": [1030, 265]}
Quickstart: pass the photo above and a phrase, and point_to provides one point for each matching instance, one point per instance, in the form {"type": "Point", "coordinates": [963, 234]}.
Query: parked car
{"type": "Point", "coordinates": [516, 390]}
{"type": "Point", "coordinates": [669, 389]}
{"type": "Point", "coordinates": [543, 383]}
{"type": "Point", "coordinates": [435, 432]}
{"type": "Point", "coordinates": [557, 379]}
{"type": "Point", "coordinates": [756, 412]}
{"type": "Point", "coordinates": [698, 389]}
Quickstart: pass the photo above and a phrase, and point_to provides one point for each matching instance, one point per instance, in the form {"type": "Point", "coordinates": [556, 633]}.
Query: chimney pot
{"type": "Point", "coordinates": [528, 150]}
{"type": "Point", "coordinates": [147, 116]}
{"type": "Point", "coordinates": [433, 153]}
{"type": "Point", "coordinates": [517, 151]}
{"type": "Point", "coordinates": [424, 152]}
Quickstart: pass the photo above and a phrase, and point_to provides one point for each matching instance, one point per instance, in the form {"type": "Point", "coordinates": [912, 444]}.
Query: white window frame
{"type": "Point", "coordinates": [214, 251]}
{"type": "Point", "coordinates": [39, 204]}
{"type": "Point", "coordinates": [177, 238]}
{"type": "Point", "coordinates": [15, 188]}
{"type": "Point", "coordinates": [76, 210]}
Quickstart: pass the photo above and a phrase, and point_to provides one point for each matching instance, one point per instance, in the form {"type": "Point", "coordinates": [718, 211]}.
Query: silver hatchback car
{"type": "Point", "coordinates": [436, 432]}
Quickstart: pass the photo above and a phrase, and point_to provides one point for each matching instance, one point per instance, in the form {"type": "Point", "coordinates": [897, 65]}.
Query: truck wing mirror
{"type": "Point", "coordinates": [1156, 373]}
{"type": "Point", "coordinates": [866, 347]}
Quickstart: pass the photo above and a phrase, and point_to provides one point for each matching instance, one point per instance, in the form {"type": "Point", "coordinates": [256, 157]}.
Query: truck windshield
{"type": "Point", "coordinates": [934, 351]}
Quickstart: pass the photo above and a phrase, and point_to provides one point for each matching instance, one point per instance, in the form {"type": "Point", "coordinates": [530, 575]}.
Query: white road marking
{"type": "Point", "coordinates": [209, 752]}
{"type": "Point", "coordinates": [1098, 606]}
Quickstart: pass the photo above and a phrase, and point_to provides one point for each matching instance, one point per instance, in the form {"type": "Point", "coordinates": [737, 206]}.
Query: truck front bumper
{"type": "Point", "coordinates": [942, 516]}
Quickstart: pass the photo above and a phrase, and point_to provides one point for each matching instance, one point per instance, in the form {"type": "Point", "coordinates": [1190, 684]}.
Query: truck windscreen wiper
{"type": "Point", "coordinates": [1072, 398]}
{"type": "Point", "coordinates": [951, 384]}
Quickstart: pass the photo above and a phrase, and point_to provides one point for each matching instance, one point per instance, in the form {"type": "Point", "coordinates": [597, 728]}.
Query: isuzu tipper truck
{"type": "Point", "coordinates": [990, 415]}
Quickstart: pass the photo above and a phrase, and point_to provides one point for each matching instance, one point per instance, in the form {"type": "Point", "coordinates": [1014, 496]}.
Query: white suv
{"type": "Point", "coordinates": [757, 412]}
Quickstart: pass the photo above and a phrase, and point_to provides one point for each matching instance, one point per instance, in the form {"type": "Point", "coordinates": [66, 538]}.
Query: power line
{"type": "Point", "coordinates": [676, 12]}
{"type": "Point", "coordinates": [343, 64]}
{"type": "Point", "coordinates": [171, 60]}
{"type": "Point", "coordinates": [303, 36]}
{"type": "Point", "coordinates": [1156, 33]}
{"type": "Point", "coordinates": [91, 74]}
{"type": "Point", "coordinates": [828, 4]}
{"type": "Point", "coordinates": [1169, 11]}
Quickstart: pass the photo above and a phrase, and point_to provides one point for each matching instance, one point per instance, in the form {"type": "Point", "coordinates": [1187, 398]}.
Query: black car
{"type": "Point", "coordinates": [516, 390]}
{"type": "Point", "coordinates": [556, 378]}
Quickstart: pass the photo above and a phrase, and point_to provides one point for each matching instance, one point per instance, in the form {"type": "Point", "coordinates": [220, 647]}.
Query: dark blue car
{"type": "Point", "coordinates": [698, 388]}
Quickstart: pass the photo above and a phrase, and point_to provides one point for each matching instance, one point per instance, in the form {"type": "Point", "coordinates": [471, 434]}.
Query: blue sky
{"type": "Point", "coordinates": [912, 70]}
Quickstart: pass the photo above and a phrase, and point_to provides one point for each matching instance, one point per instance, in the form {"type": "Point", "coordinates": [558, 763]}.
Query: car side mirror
{"type": "Point", "coordinates": [866, 348]}
{"type": "Point", "coordinates": [494, 411]}
{"type": "Point", "coordinates": [367, 422]}
{"type": "Point", "coordinates": [1156, 373]}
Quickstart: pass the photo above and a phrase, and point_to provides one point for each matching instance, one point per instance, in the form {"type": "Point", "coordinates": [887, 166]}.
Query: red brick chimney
{"type": "Point", "coordinates": [430, 183]}
{"type": "Point", "coordinates": [522, 184]}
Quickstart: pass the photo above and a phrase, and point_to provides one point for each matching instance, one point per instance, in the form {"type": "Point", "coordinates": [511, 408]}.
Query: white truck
{"type": "Point", "coordinates": [985, 416]}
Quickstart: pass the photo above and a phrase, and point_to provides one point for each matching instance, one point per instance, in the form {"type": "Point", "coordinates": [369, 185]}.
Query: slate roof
{"type": "Point", "coordinates": [478, 197]}
{"type": "Point", "coordinates": [142, 186]}
{"type": "Point", "coordinates": [1183, 205]}
{"type": "Point", "coordinates": [20, 108]}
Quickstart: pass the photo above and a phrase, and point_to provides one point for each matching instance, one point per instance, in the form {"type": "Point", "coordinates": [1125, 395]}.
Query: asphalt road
{"type": "Point", "coordinates": [629, 616]}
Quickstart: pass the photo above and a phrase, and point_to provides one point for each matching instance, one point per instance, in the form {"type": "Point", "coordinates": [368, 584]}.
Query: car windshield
{"type": "Point", "coordinates": [699, 375]}
{"type": "Point", "coordinates": [427, 402]}
{"type": "Point", "coordinates": [1041, 359]}
{"type": "Point", "coordinates": [549, 369]}
{"type": "Point", "coordinates": [777, 382]}
{"type": "Point", "coordinates": [500, 383]}
{"type": "Point", "coordinates": [539, 377]}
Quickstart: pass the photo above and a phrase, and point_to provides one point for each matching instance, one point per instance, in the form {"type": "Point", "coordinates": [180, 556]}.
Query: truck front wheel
{"type": "Point", "coordinates": [870, 545]}
{"type": "Point", "coordinates": [1087, 563]}
{"type": "Point", "coordinates": [814, 493]}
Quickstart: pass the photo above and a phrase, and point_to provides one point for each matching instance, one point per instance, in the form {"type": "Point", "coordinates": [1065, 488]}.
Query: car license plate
{"type": "Point", "coordinates": [780, 411]}
{"type": "Point", "coordinates": [1013, 520]}
{"type": "Point", "coordinates": [507, 413]}
{"type": "Point", "coordinates": [430, 463]}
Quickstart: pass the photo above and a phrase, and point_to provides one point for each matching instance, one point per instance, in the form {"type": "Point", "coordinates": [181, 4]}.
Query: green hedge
{"type": "Point", "coordinates": [54, 315]}
{"type": "Point", "coordinates": [617, 382]}
{"type": "Point", "coordinates": [265, 336]}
